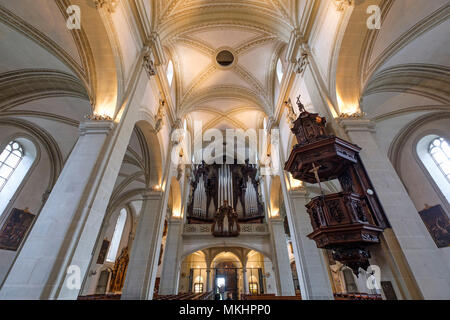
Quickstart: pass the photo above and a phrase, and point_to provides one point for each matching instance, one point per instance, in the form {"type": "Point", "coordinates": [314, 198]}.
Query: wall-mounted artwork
{"type": "Point", "coordinates": [438, 225]}
{"type": "Point", "coordinates": [103, 251]}
{"type": "Point", "coordinates": [15, 228]}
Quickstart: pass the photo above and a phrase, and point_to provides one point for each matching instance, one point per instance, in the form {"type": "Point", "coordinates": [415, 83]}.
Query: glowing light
{"type": "Point", "coordinates": [156, 188]}
{"type": "Point", "coordinates": [348, 107]}
{"type": "Point", "coordinates": [294, 184]}
{"type": "Point", "coordinates": [105, 110]}
{"type": "Point", "coordinates": [176, 213]}
{"type": "Point", "coordinates": [274, 213]}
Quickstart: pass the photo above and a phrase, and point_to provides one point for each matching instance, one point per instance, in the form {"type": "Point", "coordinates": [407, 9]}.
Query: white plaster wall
{"type": "Point", "coordinates": [323, 38]}
{"type": "Point", "coordinates": [29, 193]}
{"type": "Point", "coordinates": [416, 181]}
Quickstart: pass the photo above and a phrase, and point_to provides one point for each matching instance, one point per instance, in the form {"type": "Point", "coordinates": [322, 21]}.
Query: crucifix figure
{"type": "Point", "coordinates": [301, 107]}
{"type": "Point", "coordinates": [316, 174]}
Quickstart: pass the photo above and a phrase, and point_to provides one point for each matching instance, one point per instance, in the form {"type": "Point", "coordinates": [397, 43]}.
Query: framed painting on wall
{"type": "Point", "coordinates": [438, 225]}
{"type": "Point", "coordinates": [15, 228]}
{"type": "Point", "coordinates": [103, 251]}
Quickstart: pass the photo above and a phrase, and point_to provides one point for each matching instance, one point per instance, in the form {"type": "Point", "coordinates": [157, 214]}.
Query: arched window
{"type": "Point", "coordinates": [117, 236]}
{"type": "Point", "coordinates": [279, 71]}
{"type": "Point", "coordinates": [440, 152]}
{"type": "Point", "coordinates": [433, 151]}
{"type": "Point", "coordinates": [9, 160]}
{"type": "Point", "coordinates": [170, 72]}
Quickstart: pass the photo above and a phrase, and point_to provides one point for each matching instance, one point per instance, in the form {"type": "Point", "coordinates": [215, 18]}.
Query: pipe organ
{"type": "Point", "coordinates": [214, 185]}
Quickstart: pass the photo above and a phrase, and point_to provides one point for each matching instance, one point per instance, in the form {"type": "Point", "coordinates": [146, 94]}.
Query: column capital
{"type": "Point", "coordinates": [276, 220]}
{"type": "Point", "coordinates": [152, 195]}
{"type": "Point", "coordinates": [175, 220]}
{"type": "Point", "coordinates": [95, 127]}
{"type": "Point", "coordinates": [357, 124]}
{"type": "Point", "coordinates": [299, 193]}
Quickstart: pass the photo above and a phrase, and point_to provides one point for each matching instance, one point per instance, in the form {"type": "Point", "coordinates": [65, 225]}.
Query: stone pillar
{"type": "Point", "coordinates": [244, 278]}
{"type": "Point", "coordinates": [58, 250]}
{"type": "Point", "coordinates": [424, 264]}
{"type": "Point", "coordinates": [141, 273]}
{"type": "Point", "coordinates": [313, 276]}
{"type": "Point", "coordinates": [208, 279]}
{"type": "Point", "coordinates": [171, 263]}
{"type": "Point", "coordinates": [280, 258]}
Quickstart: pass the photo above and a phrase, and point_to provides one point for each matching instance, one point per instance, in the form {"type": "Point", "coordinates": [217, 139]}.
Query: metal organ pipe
{"type": "Point", "coordinates": [200, 198]}
{"type": "Point", "coordinates": [225, 185]}
{"type": "Point", "coordinates": [250, 198]}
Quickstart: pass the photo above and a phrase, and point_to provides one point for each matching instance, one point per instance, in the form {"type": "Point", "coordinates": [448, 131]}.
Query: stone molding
{"type": "Point", "coordinates": [364, 125]}
{"type": "Point", "coordinates": [95, 127]}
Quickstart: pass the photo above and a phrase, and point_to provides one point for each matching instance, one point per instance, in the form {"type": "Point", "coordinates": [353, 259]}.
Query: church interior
{"type": "Point", "coordinates": [224, 150]}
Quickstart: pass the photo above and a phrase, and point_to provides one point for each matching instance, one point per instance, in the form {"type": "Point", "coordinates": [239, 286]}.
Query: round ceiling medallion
{"type": "Point", "coordinates": [225, 58]}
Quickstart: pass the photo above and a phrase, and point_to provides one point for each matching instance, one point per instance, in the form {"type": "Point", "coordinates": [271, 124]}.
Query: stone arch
{"type": "Point", "coordinates": [19, 177]}
{"type": "Point", "coordinates": [241, 243]}
{"type": "Point", "coordinates": [406, 143]}
{"type": "Point", "coordinates": [226, 251]}
{"type": "Point", "coordinates": [106, 59]}
{"type": "Point", "coordinates": [154, 161]}
{"type": "Point", "coordinates": [37, 134]}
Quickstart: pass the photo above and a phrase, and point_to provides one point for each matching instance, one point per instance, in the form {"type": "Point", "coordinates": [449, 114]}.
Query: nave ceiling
{"type": "Point", "coordinates": [69, 74]}
{"type": "Point", "coordinates": [255, 32]}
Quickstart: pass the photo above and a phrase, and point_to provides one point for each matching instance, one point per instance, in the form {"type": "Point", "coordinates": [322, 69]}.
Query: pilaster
{"type": "Point", "coordinates": [421, 263]}
{"type": "Point", "coordinates": [171, 264]}
{"type": "Point", "coordinates": [141, 273]}
{"type": "Point", "coordinates": [280, 257]}
{"type": "Point", "coordinates": [57, 253]}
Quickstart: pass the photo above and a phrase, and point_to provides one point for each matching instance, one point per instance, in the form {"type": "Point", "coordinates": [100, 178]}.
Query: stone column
{"type": "Point", "coordinates": [280, 258]}
{"type": "Point", "coordinates": [171, 263]}
{"type": "Point", "coordinates": [244, 278]}
{"type": "Point", "coordinates": [57, 252]}
{"type": "Point", "coordinates": [313, 276]}
{"type": "Point", "coordinates": [424, 265]}
{"type": "Point", "coordinates": [141, 273]}
{"type": "Point", "coordinates": [208, 279]}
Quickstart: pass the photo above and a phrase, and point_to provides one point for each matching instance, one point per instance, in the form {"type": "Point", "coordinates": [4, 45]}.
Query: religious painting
{"type": "Point", "coordinates": [388, 290]}
{"type": "Point", "coordinates": [103, 251]}
{"type": "Point", "coordinates": [161, 251]}
{"type": "Point", "coordinates": [438, 225]}
{"type": "Point", "coordinates": [15, 228]}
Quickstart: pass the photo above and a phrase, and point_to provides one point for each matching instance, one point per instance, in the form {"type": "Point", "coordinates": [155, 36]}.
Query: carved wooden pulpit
{"type": "Point", "coordinates": [347, 222]}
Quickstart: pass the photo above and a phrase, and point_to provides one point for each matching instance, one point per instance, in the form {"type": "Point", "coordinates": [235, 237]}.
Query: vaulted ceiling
{"type": "Point", "coordinates": [255, 32]}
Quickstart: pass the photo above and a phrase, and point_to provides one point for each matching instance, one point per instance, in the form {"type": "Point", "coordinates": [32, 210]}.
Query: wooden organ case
{"type": "Point", "coordinates": [347, 222]}
{"type": "Point", "coordinates": [225, 190]}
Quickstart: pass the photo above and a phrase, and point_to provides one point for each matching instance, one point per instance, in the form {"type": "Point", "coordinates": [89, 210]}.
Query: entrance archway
{"type": "Point", "coordinates": [228, 272]}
